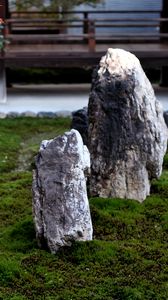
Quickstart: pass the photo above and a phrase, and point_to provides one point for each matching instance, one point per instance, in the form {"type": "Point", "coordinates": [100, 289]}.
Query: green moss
{"type": "Point", "coordinates": [160, 186]}
{"type": "Point", "coordinates": [20, 139]}
{"type": "Point", "coordinates": [165, 162]}
{"type": "Point", "coordinates": [127, 260]}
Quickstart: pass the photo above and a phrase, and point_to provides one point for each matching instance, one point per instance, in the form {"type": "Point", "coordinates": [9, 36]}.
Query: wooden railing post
{"type": "Point", "coordinates": [164, 25]}
{"type": "Point", "coordinates": [2, 21]}
{"type": "Point", "coordinates": [3, 9]}
{"type": "Point", "coordinates": [7, 12]}
{"type": "Point", "coordinates": [91, 36]}
{"type": "Point", "coordinates": [3, 95]}
{"type": "Point", "coordinates": [85, 24]}
{"type": "Point", "coordinates": [164, 29]}
{"type": "Point", "coordinates": [2, 63]}
{"type": "Point", "coordinates": [7, 16]}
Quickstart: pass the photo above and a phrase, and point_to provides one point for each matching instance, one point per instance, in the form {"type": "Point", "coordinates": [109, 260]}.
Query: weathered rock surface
{"type": "Point", "coordinates": [127, 132]}
{"type": "Point", "coordinates": [80, 123]}
{"type": "Point", "coordinates": [60, 204]}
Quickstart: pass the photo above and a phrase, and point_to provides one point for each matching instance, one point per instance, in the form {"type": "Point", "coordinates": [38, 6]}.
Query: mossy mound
{"type": "Point", "coordinates": [128, 258]}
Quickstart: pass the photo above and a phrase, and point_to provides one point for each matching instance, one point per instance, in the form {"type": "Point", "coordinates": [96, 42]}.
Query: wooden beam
{"type": "Point", "coordinates": [149, 58]}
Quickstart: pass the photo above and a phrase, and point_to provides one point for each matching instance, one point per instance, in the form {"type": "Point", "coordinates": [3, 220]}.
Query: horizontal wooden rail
{"type": "Point", "coordinates": [86, 11]}
{"type": "Point", "coordinates": [40, 20]}
{"type": "Point", "coordinates": [54, 20]}
{"type": "Point", "coordinates": [29, 37]}
{"type": "Point", "coordinates": [68, 23]}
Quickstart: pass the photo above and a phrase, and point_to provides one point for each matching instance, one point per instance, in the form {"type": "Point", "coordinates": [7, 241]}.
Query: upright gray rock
{"type": "Point", "coordinates": [127, 132]}
{"type": "Point", "coordinates": [60, 204]}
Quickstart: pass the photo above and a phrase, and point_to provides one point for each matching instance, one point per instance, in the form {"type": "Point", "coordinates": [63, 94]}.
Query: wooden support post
{"type": "Point", "coordinates": [91, 37]}
{"type": "Point", "coordinates": [7, 12]}
{"type": "Point", "coordinates": [85, 24]}
{"type": "Point", "coordinates": [3, 95]}
{"type": "Point", "coordinates": [7, 16]}
{"type": "Point", "coordinates": [164, 29]}
{"type": "Point", "coordinates": [3, 9]}
{"type": "Point", "coordinates": [3, 13]}
{"type": "Point", "coordinates": [164, 25]}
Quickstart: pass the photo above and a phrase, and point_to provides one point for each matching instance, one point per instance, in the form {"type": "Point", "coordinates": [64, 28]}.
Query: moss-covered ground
{"type": "Point", "coordinates": [128, 258]}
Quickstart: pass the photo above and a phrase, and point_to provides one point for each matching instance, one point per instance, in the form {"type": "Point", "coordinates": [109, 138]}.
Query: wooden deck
{"type": "Point", "coordinates": [73, 55]}
{"type": "Point", "coordinates": [79, 39]}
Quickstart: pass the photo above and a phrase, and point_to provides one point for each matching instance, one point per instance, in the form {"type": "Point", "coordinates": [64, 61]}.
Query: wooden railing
{"type": "Point", "coordinates": [128, 26]}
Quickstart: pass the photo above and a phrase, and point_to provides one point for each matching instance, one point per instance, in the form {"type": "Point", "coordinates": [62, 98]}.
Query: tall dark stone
{"type": "Point", "coordinates": [127, 132]}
